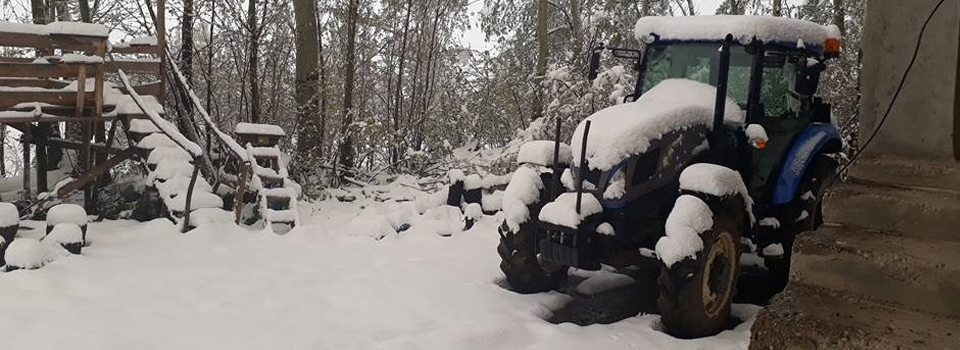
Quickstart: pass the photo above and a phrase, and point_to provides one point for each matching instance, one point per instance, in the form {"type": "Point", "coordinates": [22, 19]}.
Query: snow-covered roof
{"type": "Point", "coordinates": [743, 28]}
{"type": "Point", "coordinates": [628, 129]}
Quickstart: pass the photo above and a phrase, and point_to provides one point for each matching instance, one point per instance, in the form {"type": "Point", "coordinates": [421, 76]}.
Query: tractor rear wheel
{"type": "Point", "coordinates": [696, 292]}
{"type": "Point", "coordinates": [806, 212]}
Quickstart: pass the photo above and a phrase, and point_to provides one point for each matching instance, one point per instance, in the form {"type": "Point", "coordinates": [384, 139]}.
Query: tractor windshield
{"type": "Point", "coordinates": [701, 61]}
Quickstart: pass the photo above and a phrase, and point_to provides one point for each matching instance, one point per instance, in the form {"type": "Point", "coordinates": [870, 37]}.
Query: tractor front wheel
{"type": "Point", "coordinates": [526, 272]}
{"type": "Point", "coordinates": [696, 292]}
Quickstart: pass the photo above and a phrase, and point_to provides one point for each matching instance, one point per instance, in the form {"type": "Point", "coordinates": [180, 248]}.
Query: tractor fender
{"type": "Point", "coordinates": [816, 138]}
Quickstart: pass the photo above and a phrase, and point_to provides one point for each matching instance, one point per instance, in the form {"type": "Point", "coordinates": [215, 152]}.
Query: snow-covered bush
{"type": "Point", "coordinates": [24, 253]}
{"type": "Point", "coordinates": [67, 213]}
{"type": "Point", "coordinates": [68, 235]}
{"type": "Point", "coordinates": [9, 221]}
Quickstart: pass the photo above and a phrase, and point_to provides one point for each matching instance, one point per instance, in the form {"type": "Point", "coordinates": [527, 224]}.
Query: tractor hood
{"type": "Point", "coordinates": [628, 129]}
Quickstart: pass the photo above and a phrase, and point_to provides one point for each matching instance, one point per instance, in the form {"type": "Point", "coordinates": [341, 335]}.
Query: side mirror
{"type": "Point", "coordinates": [595, 63]}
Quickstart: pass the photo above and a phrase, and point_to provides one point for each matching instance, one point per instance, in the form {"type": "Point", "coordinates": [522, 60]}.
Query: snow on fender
{"type": "Point", "coordinates": [716, 180]}
{"type": "Point", "coordinates": [690, 217]}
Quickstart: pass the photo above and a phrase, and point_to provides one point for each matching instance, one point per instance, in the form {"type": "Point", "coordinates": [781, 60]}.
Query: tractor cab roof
{"type": "Point", "coordinates": [785, 33]}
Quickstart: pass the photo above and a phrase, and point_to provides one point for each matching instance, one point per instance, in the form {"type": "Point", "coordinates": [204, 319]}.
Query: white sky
{"type": "Point", "coordinates": [474, 38]}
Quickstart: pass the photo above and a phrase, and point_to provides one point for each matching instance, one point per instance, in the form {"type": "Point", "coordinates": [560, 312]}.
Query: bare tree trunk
{"type": "Point", "coordinates": [186, 39]}
{"type": "Point", "coordinates": [322, 133]}
{"type": "Point", "coordinates": [253, 61]}
{"type": "Point", "coordinates": [644, 8]}
{"type": "Point", "coordinates": [576, 30]}
{"type": "Point", "coordinates": [307, 46]}
{"type": "Point", "coordinates": [543, 41]}
{"type": "Point", "coordinates": [839, 16]}
{"type": "Point", "coordinates": [85, 15]}
{"type": "Point", "coordinates": [346, 147]}
{"type": "Point", "coordinates": [398, 95]}
{"type": "Point", "coordinates": [213, 17]}
{"type": "Point", "coordinates": [691, 11]}
{"type": "Point", "coordinates": [777, 8]}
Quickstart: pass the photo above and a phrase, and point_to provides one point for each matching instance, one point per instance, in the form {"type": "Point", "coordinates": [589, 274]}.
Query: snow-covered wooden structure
{"type": "Point", "coordinates": [38, 94]}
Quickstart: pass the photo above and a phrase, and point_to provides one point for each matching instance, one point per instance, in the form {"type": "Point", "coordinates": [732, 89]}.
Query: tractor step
{"type": "Point", "coordinates": [909, 211]}
{"type": "Point", "coordinates": [810, 317]}
{"type": "Point", "coordinates": [916, 274]}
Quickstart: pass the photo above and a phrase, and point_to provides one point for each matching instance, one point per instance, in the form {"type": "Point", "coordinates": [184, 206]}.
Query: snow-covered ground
{"type": "Point", "coordinates": [146, 286]}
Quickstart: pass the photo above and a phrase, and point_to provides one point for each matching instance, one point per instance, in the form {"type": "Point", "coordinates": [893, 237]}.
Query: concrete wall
{"type": "Point", "coordinates": [923, 121]}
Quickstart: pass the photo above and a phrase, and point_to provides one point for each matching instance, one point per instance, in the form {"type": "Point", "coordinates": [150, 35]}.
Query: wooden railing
{"type": "Point", "coordinates": [228, 144]}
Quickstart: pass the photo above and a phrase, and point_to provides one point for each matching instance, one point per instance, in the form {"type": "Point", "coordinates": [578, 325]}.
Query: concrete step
{"type": "Point", "coordinates": [943, 174]}
{"type": "Point", "coordinates": [808, 317]}
{"type": "Point", "coordinates": [916, 274]}
{"type": "Point", "coordinates": [908, 211]}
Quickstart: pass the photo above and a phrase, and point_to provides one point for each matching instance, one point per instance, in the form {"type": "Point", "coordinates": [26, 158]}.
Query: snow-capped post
{"type": "Point", "coordinates": [555, 177]}
{"type": "Point", "coordinates": [583, 164]}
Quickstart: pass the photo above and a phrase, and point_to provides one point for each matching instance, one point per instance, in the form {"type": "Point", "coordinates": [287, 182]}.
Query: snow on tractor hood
{"type": "Point", "coordinates": [743, 28]}
{"type": "Point", "coordinates": [628, 129]}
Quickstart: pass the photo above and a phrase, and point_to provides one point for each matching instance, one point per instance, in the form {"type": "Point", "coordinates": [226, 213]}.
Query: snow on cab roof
{"type": "Point", "coordinates": [743, 28]}
{"type": "Point", "coordinates": [628, 129]}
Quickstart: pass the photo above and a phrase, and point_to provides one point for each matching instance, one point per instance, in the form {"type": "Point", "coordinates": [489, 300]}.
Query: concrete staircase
{"type": "Point", "coordinates": [883, 273]}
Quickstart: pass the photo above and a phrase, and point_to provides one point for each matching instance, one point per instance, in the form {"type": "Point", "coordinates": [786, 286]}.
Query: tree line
{"type": "Point", "coordinates": [370, 88]}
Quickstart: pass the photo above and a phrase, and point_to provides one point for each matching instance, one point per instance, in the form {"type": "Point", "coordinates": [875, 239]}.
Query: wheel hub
{"type": "Point", "coordinates": [718, 274]}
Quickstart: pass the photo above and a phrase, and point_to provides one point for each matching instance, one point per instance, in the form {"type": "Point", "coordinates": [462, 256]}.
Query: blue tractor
{"type": "Point", "coordinates": [720, 156]}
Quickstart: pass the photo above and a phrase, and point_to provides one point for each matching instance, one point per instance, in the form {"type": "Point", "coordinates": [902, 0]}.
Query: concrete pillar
{"type": "Point", "coordinates": [924, 122]}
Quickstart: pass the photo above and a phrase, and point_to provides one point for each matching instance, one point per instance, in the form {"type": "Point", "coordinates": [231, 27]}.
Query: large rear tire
{"type": "Point", "coordinates": [696, 293]}
{"type": "Point", "coordinates": [804, 214]}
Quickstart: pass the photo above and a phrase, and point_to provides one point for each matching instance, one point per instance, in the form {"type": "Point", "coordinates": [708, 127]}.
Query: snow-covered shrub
{"type": "Point", "coordinates": [67, 235]}
{"type": "Point", "coordinates": [9, 221]}
{"type": "Point", "coordinates": [24, 253]}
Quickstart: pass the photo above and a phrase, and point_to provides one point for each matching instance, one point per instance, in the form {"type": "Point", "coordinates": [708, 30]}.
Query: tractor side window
{"type": "Point", "coordinates": [778, 97]}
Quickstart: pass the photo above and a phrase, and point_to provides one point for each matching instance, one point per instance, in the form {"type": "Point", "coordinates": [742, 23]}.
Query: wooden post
{"type": "Point", "coordinates": [161, 45]}
{"type": "Point", "coordinates": [26, 161]}
{"type": "Point", "coordinates": [43, 133]}
{"type": "Point", "coordinates": [81, 90]}
{"type": "Point", "coordinates": [187, 202]}
{"type": "Point", "coordinates": [240, 191]}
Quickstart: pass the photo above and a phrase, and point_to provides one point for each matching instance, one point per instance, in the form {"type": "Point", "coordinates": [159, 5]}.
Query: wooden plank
{"type": "Point", "coordinates": [49, 42]}
{"type": "Point", "coordinates": [59, 111]}
{"type": "Point", "coordinates": [152, 89]}
{"type": "Point", "coordinates": [81, 90]}
{"type": "Point", "coordinates": [55, 97]}
{"type": "Point", "coordinates": [91, 175]}
{"type": "Point", "coordinates": [36, 41]}
{"type": "Point", "coordinates": [75, 145]}
{"type": "Point", "coordinates": [88, 44]}
{"type": "Point", "coordinates": [162, 42]}
{"type": "Point", "coordinates": [134, 66]}
{"type": "Point", "coordinates": [39, 70]}
{"type": "Point", "coordinates": [137, 49]}
{"type": "Point", "coordinates": [31, 82]}
{"type": "Point", "coordinates": [54, 119]}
